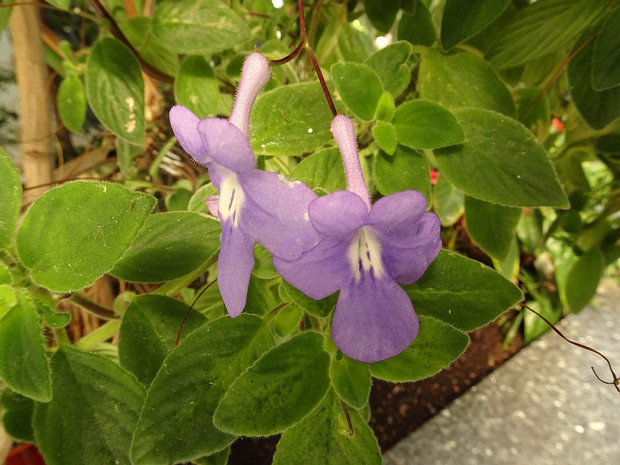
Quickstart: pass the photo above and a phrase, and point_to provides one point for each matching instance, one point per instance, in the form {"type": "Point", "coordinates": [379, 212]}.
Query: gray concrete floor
{"type": "Point", "coordinates": [542, 407]}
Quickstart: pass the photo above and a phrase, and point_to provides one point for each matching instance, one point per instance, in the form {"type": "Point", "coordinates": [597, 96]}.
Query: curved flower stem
{"type": "Point", "coordinates": [303, 43]}
{"type": "Point", "coordinates": [204, 289]}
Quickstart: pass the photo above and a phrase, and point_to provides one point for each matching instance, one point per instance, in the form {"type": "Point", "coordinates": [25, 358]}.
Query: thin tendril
{"type": "Point", "coordinates": [615, 382]}
{"type": "Point", "coordinates": [176, 342]}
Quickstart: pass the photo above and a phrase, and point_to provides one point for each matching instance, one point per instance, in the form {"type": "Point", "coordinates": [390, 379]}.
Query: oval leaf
{"type": "Point", "coordinates": [359, 87]}
{"type": "Point", "coordinates": [462, 292]}
{"type": "Point", "coordinates": [149, 330]}
{"type": "Point", "coordinates": [436, 347]}
{"type": "Point", "coordinates": [351, 380]}
{"type": "Point", "coordinates": [322, 172]}
{"type": "Point", "coordinates": [540, 28]}
{"type": "Point", "coordinates": [176, 424]}
{"type": "Point", "coordinates": [115, 89]}
{"type": "Point", "coordinates": [198, 26]}
{"type": "Point", "coordinates": [196, 87]}
{"type": "Point", "coordinates": [168, 246]}
{"type": "Point", "coordinates": [606, 56]}
{"type": "Point", "coordinates": [10, 198]}
{"type": "Point", "coordinates": [405, 170]}
{"type": "Point", "coordinates": [491, 226]}
{"type": "Point", "coordinates": [463, 18]}
{"type": "Point", "coordinates": [426, 125]}
{"type": "Point", "coordinates": [463, 79]}
{"type": "Point", "coordinates": [278, 391]}
{"type": "Point", "coordinates": [23, 364]}
{"type": "Point", "coordinates": [583, 278]}
{"type": "Point", "coordinates": [500, 162]}
{"type": "Point", "coordinates": [103, 402]}
{"type": "Point", "coordinates": [290, 120]}
{"type": "Point", "coordinates": [597, 108]}
{"type": "Point", "coordinates": [389, 65]}
{"type": "Point", "coordinates": [73, 234]}
{"type": "Point", "coordinates": [324, 438]}
{"type": "Point", "coordinates": [72, 102]}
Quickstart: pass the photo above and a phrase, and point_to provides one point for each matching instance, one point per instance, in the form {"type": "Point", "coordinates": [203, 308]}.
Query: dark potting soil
{"type": "Point", "coordinates": [399, 409]}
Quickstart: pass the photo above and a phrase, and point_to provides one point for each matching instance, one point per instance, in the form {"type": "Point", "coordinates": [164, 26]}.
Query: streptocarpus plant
{"type": "Point", "coordinates": [439, 98]}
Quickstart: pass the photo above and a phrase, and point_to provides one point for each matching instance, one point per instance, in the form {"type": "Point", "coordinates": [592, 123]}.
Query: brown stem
{"type": "Point", "coordinates": [92, 306]}
{"type": "Point", "coordinates": [616, 380]}
{"type": "Point", "coordinates": [31, 75]}
{"type": "Point", "coordinates": [348, 417]}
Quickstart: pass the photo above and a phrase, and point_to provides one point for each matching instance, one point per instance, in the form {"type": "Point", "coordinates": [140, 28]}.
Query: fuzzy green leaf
{"type": "Point", "coordinates": [74, 233]}
{"type": "Point", "coordinates": [438, 345]}
{"type": "Point", "coordinates": [426, 125]}
{"type": "Point", "coordinates": [103, 402]}
{"type": "Point", "coordinates": [72, 102]}
{"type": "Point", "coordinates": [10, 199]}
{"type": "Point", "coordinates": [461, 292]}
{"type": "Point", "coordinates": [500, 162]}
{"type": "Point", "coordinates": [115, 89]}
{"type": "Point", "coordinates": [359, 87]}
{"type": "Point", "coordinates": [279, 390]}
{"type": "Point", "coordinates": [464, 18]}
{"type": "Point", "coordinates": [196, 87]}
{"type": "Point", "coordinates": [404, 170]}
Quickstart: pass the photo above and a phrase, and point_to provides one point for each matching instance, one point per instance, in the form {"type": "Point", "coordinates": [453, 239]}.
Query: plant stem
{"type": "Point", "coordinates": [101, 334]}
{"type": "Point", "coordinates": [92, 306]}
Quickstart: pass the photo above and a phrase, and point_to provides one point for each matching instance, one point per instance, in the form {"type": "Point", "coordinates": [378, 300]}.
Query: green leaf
{"type": "Point", "coordinates": [323, 172]}
{"type": "Point", "coordinates": [597, 108]}
{"type": "Point", "coordinates": [103, 402]}
{"type": "Point", "coordinates": [500, 162]}
{"type": "Point", "coordinates": [541, 28]}
{"type": "Point", "coordinates": [115, 89]}
{"type": "Point", "coordinates": [219, 458]}
{"type": "Point", "coordinates": [169, 245]}
{"type": "Point", "coordinates": [198, 26]}
{"type": "Point", "coordinates": [385, 107]}
{"type": "Point", "coordinates": [461, 292]}
{"type": "Point", "coordinates": [491, 226]}
{"type": "Point", "coordinates": [319, 308]}
{"type": "Point", "coordinates": [404, 170]}
{"type": "Point", "coordinates": [139, 32]}
{"type": "Point", "coordinates": [8, 298]}
{"type": "Point", "coordinates": [263, 267]}
{"type": "Point", "coordinates": [196, 87]}
{"type": "Point", "coordinates": [74, 233]}
{"type": "Point", "coordinates": [10, 198]}
{"type": "Point", "coordinates": [463, 79]}
{"type": "Point", "coordinates": [606, 54]}
{"type": "Point", "coordinates": [381, 14]}
{"type": "Point", "coordinates": [417, 28]}
{"type": "Point", "coordinates": [351, 380]}
{"type": "Point", "coordinates": [23, 364]}
{"type": "Point", "coordinates": [463, 19]}
{"type": "Point", "coordinates": [176, 424]}
{"type": "Point", "coordinates": [323, 438]}
{"type": "Point", "coordinates": [17, 417]}
{"type": "Point", "coordinates": [197, 202]}
{"type": "Point", "coordinates": [279, 390]}
{"type": "Point", "coordinates": [72, 102]}
{"type": "Point", "coordinates": [583, 278]}
{"type": "Point", "coordinates": [385, 136]}
{"type": "Point", "coordinates": [448, 201]}
{"type": "Point", "coordinates": [359, 88]}
{"type": "Point", "coordinates": [426, 125]}
{"type": "Point", "coordinates": [288, 319]}
{"type": "Point", "coordinates": [149, 330]}
{"type": "Point", "coordinates": [436, 346]}
{"type": "Point", "coordinates": [389, 65]}
{"type": "Point", "coordinates": [290, 120]}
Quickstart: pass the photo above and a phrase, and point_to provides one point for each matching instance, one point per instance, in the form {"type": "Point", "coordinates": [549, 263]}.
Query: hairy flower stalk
{"type": "Point", "coordinates": [253, 205]}
{"type": "Point", "coordinates": [366, 252]}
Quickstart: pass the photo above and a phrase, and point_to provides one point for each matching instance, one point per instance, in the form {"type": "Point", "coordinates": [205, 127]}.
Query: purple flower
{"type": "Point", "coordinates": [366, 252]}
{"type": "Point", "coordinates": [253, 205]}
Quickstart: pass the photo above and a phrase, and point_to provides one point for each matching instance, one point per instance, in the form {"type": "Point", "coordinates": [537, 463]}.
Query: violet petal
{"type": "Point", "coordinates": [184, 124]}
{"type": "Point", "coordinates": [275, 213]}
{"type": "Point", "coordinates": [226, 145]}
{"type": "Point", "coordinates": [321, 271]}
{"type": "Point", "coordinates": [234, 267]}
{"type": "Point", "coordinates": [374, 320]}
{"type": "Point", "coordinates": [338, 213]}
